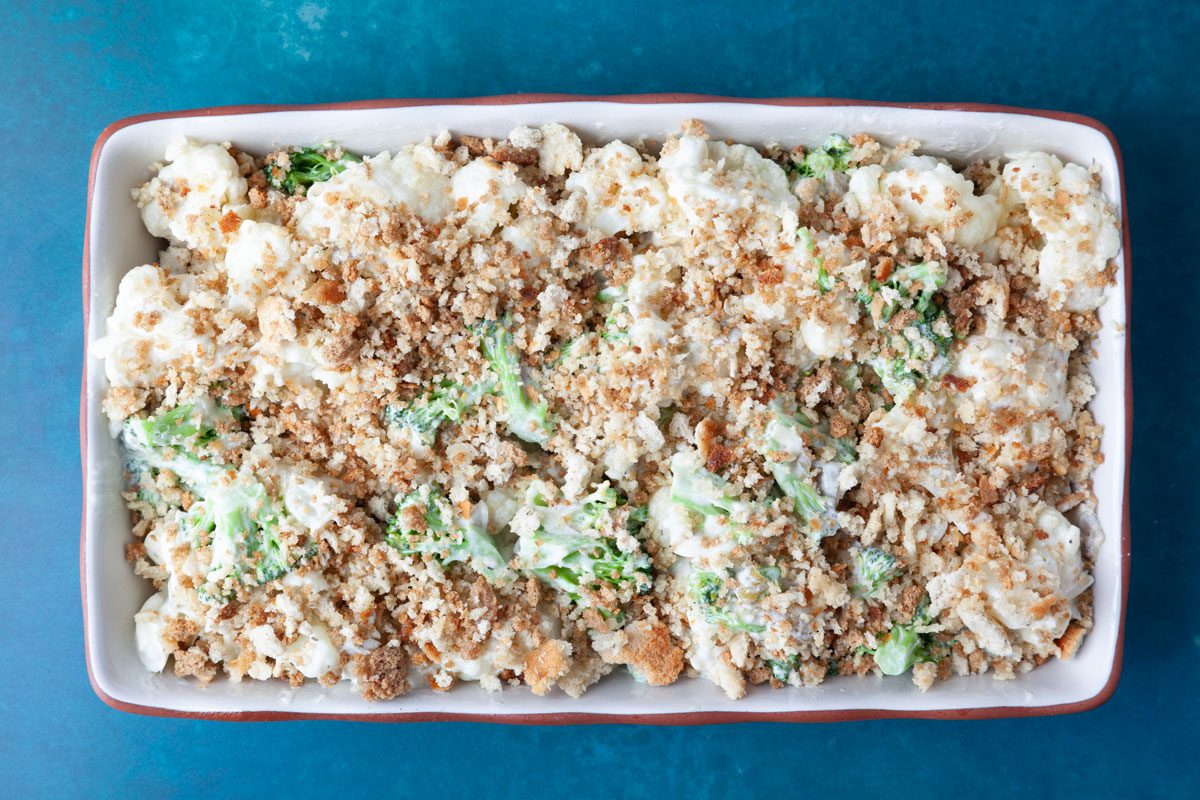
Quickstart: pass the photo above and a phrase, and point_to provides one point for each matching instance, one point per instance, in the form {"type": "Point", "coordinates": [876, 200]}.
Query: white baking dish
{"type": "Point", "coordinates": [116, 241]}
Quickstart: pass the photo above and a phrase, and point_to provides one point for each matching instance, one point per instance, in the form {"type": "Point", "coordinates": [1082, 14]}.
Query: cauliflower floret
{"type": "Point", "coordinates": [486, 190]}
{"type": "Point", "coordinates": [150, 329]}
{"type": "Point", "coordinates": [185, 201]}
{"type": "Point", "coordinates": [259, 257]}
{"type": "Point", "coordinates": [559, 149]}
{"type": "Point", "coordinates": [1078, 226]}
{"type": "Point", "coordinates": [413, 178]}
{"type": "Point", "coordinates": [930, 194]}
{"type": "Point", "coordinates": [710, 178]}
{"type": "Point", "coordinates": [1010, 370]}
{"type": "Point", "coordinates": [1006, 602]}
{"type": "Point", "coordinates": [623, 192]}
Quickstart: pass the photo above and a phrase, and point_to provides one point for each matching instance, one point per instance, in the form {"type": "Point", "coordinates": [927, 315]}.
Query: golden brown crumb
{"type": "Point", "coordinates": [383, 673]}
{"type": "Point", "coordinates": [521, 156]}
{"type": "Point", "coordinates": [194, 663]}
{"type": "Point", "coordinates": [651, 652]}
{"type": "Point", "coordinates": [546, 664]}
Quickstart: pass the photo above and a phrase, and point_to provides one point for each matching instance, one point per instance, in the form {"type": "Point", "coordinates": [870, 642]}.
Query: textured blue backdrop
{"type": "Point", "coordinates": [67, 70]}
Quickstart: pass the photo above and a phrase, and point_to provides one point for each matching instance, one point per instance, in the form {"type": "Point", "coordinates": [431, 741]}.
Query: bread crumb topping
{"type": "Point", "coordinates": [527, 411]}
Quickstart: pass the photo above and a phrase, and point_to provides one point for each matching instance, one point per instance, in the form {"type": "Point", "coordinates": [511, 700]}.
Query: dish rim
{"type": "Point", "coordinates": [572, 717]}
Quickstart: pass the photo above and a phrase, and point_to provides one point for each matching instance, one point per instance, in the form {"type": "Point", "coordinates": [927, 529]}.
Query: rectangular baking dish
{"type": "Point", "coordinates": [116, 241]}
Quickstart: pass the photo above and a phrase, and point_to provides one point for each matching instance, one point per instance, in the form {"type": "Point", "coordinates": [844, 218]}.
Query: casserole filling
{"type": "Point", "coordinates": [528, 411]}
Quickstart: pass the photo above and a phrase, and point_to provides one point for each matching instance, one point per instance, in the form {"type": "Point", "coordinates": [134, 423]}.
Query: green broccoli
{"type": "Point", "coordinates": [307, 165]}
{"type": "Point", "coordinates": [896, 376]}
{"type": "Point", "coordinates": [528, 418]}
{"type": "Point", "coordinates": [567, 351]}
{"type": "Point", "coordinates": [614, 327]}
{"type": "Point", "coordinates": [900, 649]}
{"type": "Point", "coordinates": [873, 568]}
{"type": "Point", "coordinates": [782, 668]}
{"type": "Point", "coordinates": [426, 524]}
{"type": "Point", "coordinates": [704, 494]}
{"type": "Point", "coordinates": [786, 453]}
{"type": "Point", "coordinates": [570, 548]}
{"type": "Point", "coordinates": [231, 513]}
{"type": "Point", "coordinates": [920, 350]}
{"type": "Point", "coordinates": [904, 645]}
{"type": "Point", "coordinates": [707, 590]}
{"type": "Point", "coordinates": [824, 281]}
{"type": "Point", "coordinates": [920, 282]}
{"type": "Point", "coordinates": [833, 156]}
{"type": "Point", "coordinates": [700, 491]}
{"type": "Point", "coordinates": [180, 440]}
{"type": "Point", "coordinates": [769, 573]}
{"type": "Point", "coordinates": [807, 240]}
{"type": "Point", "coordinates": [637, 519]}
{"type": "Point", "coordinates": [242, 524]}
{"type": "Point", "coordinates": [844, 450]}
{"type": "Point", "coordinates": [446, 402]}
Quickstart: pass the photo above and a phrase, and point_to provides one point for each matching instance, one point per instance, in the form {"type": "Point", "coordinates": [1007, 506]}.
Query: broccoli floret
{"type": "Point", "coordinates": [873, 567]}
{"type": "Point", "coordinates": [139, 477]}
{"type": "Point", "coordinates": [567, 351]}
{"type": "Point", "coordinates": [180, 440]}
{"type": "Point", "coordinates": [243, 526]}
{"type": "Point", "coordinates": [809, 243]}
{"type": "Point", "coordinates": [914, 286]}
{"type": "Point", "coordinates": [183, 426]}
{"type": "Point", "coordinates": [426, 524]}
{"type": "Point", "coordinates": [782, 668]}
{"type": "Point", "coordinates": [920, 350]}
{"type": "Point", "coordinates": [787, 458]}
{"type": "Point", "coordinates": [528, 418]}
{"type": "Point", "coordinates": [707, 495]}
{"type": "Point", "coordinates": [614, 330]}
{"type": "Point", "coordinates": [700, 491]}
{"type": "Point", "coordinates": [896, 376]}
{"type": "Point", "coordinates": [308, 165]}
{"type": "Point", "coordinates": [833, 156]}
{"type": "Point", "coordinates": [824, 281]}
{"type": "Point", "coordinates": [637, 519]}
{"type": "Point", "coordinates": [844, 450]}
{"type": "Point", "coordinates": [232, 513]}
{"type": "Point", "coordinates": [446, 402]}
{"type": "Point", "coordinates": [611, 294]}
{"type": "Point", "coordinates": [900, 649]}
{"type": "Point", "coordinates": [843, 447]}
{"type": "Point", "coordinates": [904, 645]}
{"type": "Point", "coordinates": [593, 507]}
{"type": "Point", "coordinates": [570, 546]}
{"type": "Point", "coordinates": [770, 573]}
{"type": "Point", "coordinates": [919, 281]}
{"type": "Point", "coordinates": [707, 590]}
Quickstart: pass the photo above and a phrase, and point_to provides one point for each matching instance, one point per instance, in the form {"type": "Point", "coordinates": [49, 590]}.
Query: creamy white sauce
{"type": "Point", "coordinates": [931, 195]}
{"type": "Point", "coordinates": [622, 192]}
{"type": "Point", "coordinates": [149, 330]}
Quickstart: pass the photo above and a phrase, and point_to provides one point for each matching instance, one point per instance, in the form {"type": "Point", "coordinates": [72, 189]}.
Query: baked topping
{"type": "Point", "coordinates": [527, 411]}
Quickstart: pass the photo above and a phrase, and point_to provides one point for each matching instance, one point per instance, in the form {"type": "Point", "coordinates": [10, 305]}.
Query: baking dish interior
{"type": "Point", "coordinates": [118, 241]}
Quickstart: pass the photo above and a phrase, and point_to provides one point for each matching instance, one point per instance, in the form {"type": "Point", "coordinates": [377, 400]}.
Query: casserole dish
{"type": "Point", "coordinates": [116, 240]}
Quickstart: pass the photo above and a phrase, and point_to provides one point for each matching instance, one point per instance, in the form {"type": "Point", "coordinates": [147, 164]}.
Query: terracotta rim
{"type": "Point", "coordinates": [574, 718]}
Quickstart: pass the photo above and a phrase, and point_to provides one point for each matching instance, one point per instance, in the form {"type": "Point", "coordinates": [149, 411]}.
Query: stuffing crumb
{"type": "Point", "coordinates": [383, 673]}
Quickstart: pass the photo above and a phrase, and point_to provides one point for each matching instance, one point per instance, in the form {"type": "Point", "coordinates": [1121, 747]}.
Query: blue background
{"type": "Point", "coordinates": [67, 70]}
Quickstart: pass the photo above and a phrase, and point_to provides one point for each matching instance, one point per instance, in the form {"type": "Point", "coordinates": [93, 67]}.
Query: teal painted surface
{"type": "Point", "coordinates": [67, 70]}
